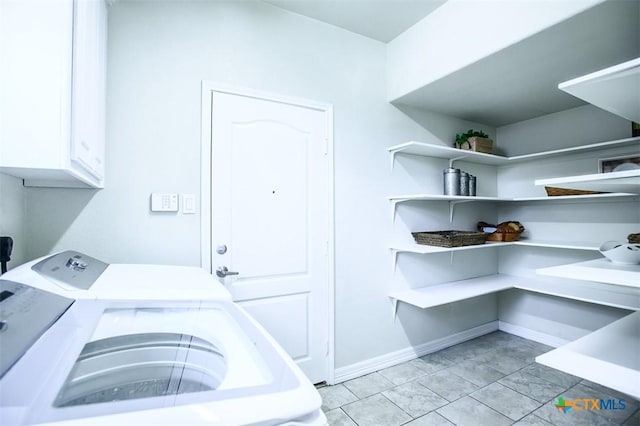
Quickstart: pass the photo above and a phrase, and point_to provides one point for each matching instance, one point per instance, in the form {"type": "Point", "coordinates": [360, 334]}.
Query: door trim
{"type": "Point", "coordinates": [208, 89]}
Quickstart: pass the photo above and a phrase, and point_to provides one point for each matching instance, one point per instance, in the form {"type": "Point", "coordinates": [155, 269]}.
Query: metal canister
{"type": "Point", "coordinates": [472, 185]}
{"type": "Point", "coordinates": [464, 183]}
{"type": "Point", "coordinates": [451, 180]}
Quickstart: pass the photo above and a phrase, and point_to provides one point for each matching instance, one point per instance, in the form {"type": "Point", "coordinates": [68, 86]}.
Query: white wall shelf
{"type": "Point", "coordinates": [578, 198]}
{"type": "Point", "coordinates": [627, 181]}
{"type": "Point", "coordinates": [441, 151]}
{"type": "Point", "coordinates": [591, 357]}
{"type": "Point", "coordinates": [457, 199]}
{"type": "Point", "coordinates": [441, 294]}
{"type": "Point", "coordinates": [426, 249]}
{"type": "Point", "coordinates": [454, 154]}
{"type": "Point", "coordinates": [568, 245]}
{"type": "Point", "coordinates": [600, 270]}
{"type": "Point", "coordinates": [614, 89]}
{"type": "Point", "coordinates": [435, 197]}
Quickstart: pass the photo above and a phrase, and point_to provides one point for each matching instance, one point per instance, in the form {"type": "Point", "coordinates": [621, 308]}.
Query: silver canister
{"type": "Point", "coordinates": [464, 183]}
{"type": "Point", "coordinates": [451, 181]}
{"type": "Point", "coordinates": [472, 185]}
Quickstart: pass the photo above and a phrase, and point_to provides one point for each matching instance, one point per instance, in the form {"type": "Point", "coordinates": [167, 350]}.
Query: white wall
{"type": "Point", "coordinates": [159, 52]}
{"type": "Point", "coordinates": [574, 127]}
{"type": "Point", "coordinates": [12, 214]}
{"type": "Point", "coordinates": [461, 32]}
{"type": "Point", "coordinates": [591, 222]}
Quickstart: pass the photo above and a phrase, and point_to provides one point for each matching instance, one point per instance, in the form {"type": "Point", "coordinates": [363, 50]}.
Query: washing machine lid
{"type": "Point", "coordinates": [120, 357]}
{"type": "Point", "coordinates": [158, 282]}
{"type": "Point", "coordinates": [25, 314]}
{"type": "Point", "coordinates": [76, 275]}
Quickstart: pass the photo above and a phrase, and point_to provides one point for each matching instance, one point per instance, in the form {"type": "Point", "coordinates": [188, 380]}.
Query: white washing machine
{"type": "Point", "coordinates": [99, 362]}
{"type": "Point", "coordinates": [79, 276]}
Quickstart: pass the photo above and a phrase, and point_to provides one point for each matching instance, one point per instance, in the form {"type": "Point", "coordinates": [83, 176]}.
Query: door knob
{"type": "Point", "coordinates": [223, 271]}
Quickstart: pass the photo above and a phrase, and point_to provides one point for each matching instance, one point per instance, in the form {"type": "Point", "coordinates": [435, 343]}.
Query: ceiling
{"type": "Point", "coordinates": [521, 82]}
{"type": "Point", "coordinates": [515, 84]}
{"type": "Point", "coordinates": [382, 20]}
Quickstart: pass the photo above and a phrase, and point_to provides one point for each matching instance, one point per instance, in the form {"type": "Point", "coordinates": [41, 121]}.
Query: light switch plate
{"type": "Point", "coordinates": [164, 202]}
{"type": "Point", "coordinates": [188, 204]}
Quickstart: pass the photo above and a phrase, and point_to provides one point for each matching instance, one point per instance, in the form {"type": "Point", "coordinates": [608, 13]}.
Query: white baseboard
{"type": "Point", "coordinates": [403, 355]}
{"type": "Point", "coordinates": [534, 335]}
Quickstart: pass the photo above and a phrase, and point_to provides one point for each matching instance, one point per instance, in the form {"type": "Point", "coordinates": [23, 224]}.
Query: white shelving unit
{"type": "Point", "coordinates": [435, 295]}
{"type": "Point", "coordinates": [592, 357]}
{"type": "Point", "coordinates": [600, 270]}
{"type": "Point", "coordinates": [608, 356]}
{"type": "Point", "coordinates": [614, 89]}
{"type": "Point", "coordinates": [591, 292]}
{"type": "Point", "coordinates": [624, 181]}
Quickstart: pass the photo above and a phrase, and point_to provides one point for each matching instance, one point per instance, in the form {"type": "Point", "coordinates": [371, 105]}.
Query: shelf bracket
{"type": "Point", "coordinates": [393, 158]}
{"type": "Point", "coordinates": [394, 258]}
{"type": "Point", "coordinates": [452, 160]}
{"type": "Point", "coordinates": [393, 209]}
{"type": "Point", "coordinates": [394, 308]}
{"type": "Point", "coordinates": [452, 204]}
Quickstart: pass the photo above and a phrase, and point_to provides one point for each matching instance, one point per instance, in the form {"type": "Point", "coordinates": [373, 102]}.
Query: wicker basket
{"type": "Point", "coordinates": [478, 144]}
{"type": "Point", "coordinates": [558, 192]}
{"type": "Point", "coordinates": [633, 238]}
{"type": "Point", "coordinates": [503, 236]}
{"type": "Point", "coordinates": [450, 238]}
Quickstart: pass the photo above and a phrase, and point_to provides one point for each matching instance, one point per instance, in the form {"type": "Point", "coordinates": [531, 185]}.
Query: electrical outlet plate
{"type": "Point", "coordinates": [164, 202]}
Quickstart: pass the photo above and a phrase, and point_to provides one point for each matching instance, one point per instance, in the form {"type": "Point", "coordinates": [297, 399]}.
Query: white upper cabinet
{"type": "Point", "coordinates": [52, 86]}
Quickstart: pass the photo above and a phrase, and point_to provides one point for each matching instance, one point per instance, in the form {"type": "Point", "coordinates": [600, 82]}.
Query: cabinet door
{"type": "Point", "coordinates": [88, 86]}
{"type": "Point", "coordinates": [35, 80]}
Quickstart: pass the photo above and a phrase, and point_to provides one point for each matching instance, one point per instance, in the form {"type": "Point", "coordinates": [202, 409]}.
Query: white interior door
{"type": "Point", "coordinates": [270, 218]}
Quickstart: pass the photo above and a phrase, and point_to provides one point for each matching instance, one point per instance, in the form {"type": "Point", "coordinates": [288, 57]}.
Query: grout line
{"type": "Point", "coordinates": [493, 409]}
{"type": "Point", "coordinates": [384, 396]}
{"type": "Point", "coordinates": [348, 416]}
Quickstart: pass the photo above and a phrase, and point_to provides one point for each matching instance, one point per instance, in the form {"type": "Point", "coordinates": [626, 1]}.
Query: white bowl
{"type": "Point", "coordinates": [622, 253]}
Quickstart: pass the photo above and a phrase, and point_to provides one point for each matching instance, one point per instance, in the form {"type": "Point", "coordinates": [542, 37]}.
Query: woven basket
{"type": "Point", "coordinates": [634, 238]}
{"type": "Point", "coordinates": [504, 236]}
{"type": "Point", "coordinates": [500, 234]}
{"type": "Point", "coordinates": [478, 144]}
{"type": "Point", "coordinates": [450, 238]}
{"type": "Point", "coordinates": [558, 192]}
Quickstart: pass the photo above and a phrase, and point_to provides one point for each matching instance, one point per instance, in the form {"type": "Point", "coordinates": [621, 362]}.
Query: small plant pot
{"type": "Point", "coordinates": [478, 144]}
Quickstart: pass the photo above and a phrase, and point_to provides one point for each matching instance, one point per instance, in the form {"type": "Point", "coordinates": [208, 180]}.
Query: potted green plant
{"type": "Point", "coordinates": [474, 140]}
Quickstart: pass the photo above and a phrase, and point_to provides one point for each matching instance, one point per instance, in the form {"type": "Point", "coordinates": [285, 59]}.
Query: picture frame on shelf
{"type": "Point", "coordinates": [618, 164]}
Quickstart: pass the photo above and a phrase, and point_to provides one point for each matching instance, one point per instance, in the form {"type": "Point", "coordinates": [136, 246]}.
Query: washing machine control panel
{"type": "Point", "coordinates": [25, 314]}
{"type": "Point", "coordinates": [71, 268]}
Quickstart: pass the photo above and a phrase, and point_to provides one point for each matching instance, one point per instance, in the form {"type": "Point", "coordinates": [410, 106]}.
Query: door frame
{"type": "Point", "coordinates": [208, 90]}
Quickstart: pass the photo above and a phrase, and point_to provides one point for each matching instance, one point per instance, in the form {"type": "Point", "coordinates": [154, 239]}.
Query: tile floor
{"type": "Point", "coordinates": [492, 380]}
